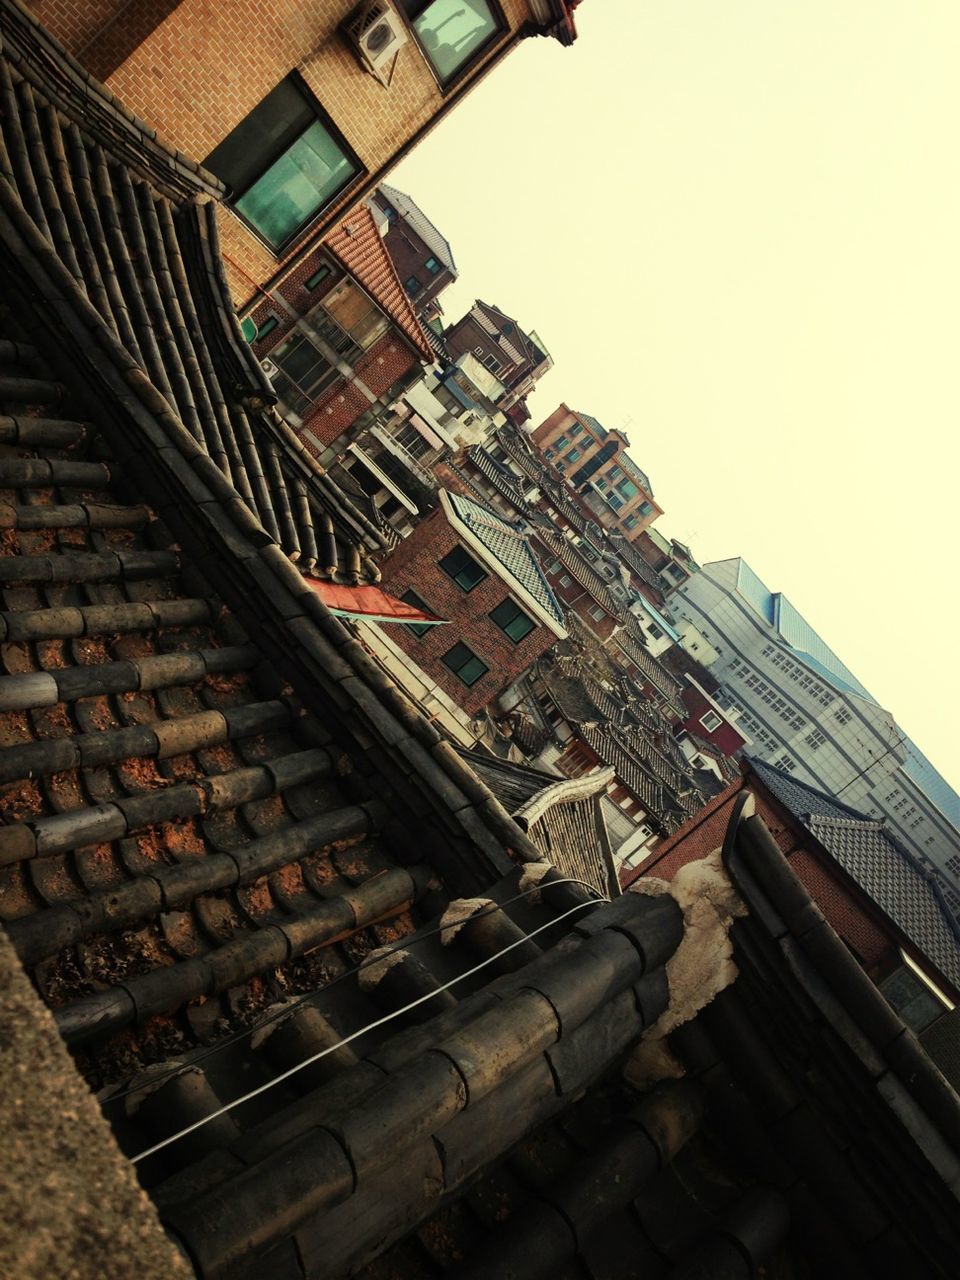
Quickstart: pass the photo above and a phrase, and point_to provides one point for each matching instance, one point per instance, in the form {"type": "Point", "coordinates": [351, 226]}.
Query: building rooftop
{"type": "Point", "coordinates": [873, 858]}
{"type": "Point", "coordinates": [357, 245]}
{"type": "Point", "coordinates": [408, 208]}
{"type": "Point", "coordinates": [508, 543]}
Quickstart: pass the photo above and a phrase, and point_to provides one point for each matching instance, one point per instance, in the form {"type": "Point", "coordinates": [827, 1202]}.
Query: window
{"type": "Point", "coordinates": [912, 998]}
{"type": "Point", "coordinates": [645, 508]}
{"type": "Point", "coordinates": [711, 721]}
{"type": "Point", "coordinates": [785, 764]}
{"type": "Point", "coordinates": [631, 521]}
{"type": "Point", "coordinates": [492, 363]}
{"type": "Point", "coordinates": [410, 439]}
{"type": "Point", "coordinates": [561, 442]}
{"type": "Point", "coordinates": [555, 567]}
{"type": "Point", "coordinates": [463, 569]}
{"type": "Point", "coordinates": [268, 326]}
{"type": "Point", "coordinates": [575, 430]}
{"type": "Point", "coordinates": [627, 489]}
{"type": "Point", "coordinates": [815, 740]}
{"type": "Point", "coordinates": [417, 629]}
{"type": "Point", "coordinates": [284, 163]}
{"type": "Point", "coordinates": [573, 455]}
{"type": "Point", "coordinates": [598, 613]}
{"type": "Point", "coordinates": [321, 273]}
{"type": "Point", "coordinates": [464, 664]}
{"type": "Point", "coordinates": [353, 312]}
{"type": "Point", "coordinates": [433, 266]}
{"type": "Point", "coordinates": [512, 621]}
{"type": "Point", "coordinates": [304, 373]}
{"type": "Point", "coordinates": [452, 33]}
{"type": "Point", "coordinates": [615, 501]}
{"type": "Point", "coordinates": [842, 715]}
{"type": "Point", "coordinates": [565, 581]}
{"type": "Point", "coordinates": [412, 286]}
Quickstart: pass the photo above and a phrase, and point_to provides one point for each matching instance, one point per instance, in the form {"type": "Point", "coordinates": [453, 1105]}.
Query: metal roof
{"type": "Point", "coordinates": [421, 224]}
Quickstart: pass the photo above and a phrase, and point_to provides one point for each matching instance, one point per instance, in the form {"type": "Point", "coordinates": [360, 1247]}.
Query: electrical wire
{"type": "Point", "coordinates": [286, 1009]}
{"type": "Point", "coordinates": [354, 1035]}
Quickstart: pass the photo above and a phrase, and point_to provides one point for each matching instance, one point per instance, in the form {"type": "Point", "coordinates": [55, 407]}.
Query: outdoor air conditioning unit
{"type": "Point", "coordinates": [376, 34]}
{"type": "Point", "coordinates": [268, 367]}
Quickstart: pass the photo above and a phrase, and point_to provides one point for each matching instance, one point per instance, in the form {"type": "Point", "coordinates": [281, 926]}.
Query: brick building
{"type": "Point", "coordinates": [709, 719]}
{"type": "Point", "coordinates": [421, 254]}
{"type": "Point", "coordinates": [596, 463]}
{"type": "Point", "coordinates": [338, 337]}
{"type": "Point", "coordinates": [889, 912]}
{"type": "Point", "coordinates": [298, 109]}
{"type": "Point", "coordinates": [517, 358]}
{"type": "Point", "coordinates": [470, 567]}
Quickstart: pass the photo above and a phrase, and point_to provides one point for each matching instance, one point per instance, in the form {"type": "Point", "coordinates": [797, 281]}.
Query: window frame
{"type": "Point", "coordinates": [459, 549]}
{"type": "Point", "coordinates": [457, 670]}
{"type": "Point", "coordinates": [320, 116]}
{"type": "Point", "coordinates": [711, 728]}
{"type": "Point", "coordinates": [417, 629]}
{"type": "Point", "coordinates": [446, 85]}
{"type": "Point", "coordinates": [518, 613]}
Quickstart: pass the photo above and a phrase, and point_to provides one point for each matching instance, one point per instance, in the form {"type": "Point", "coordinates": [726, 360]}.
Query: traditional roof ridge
{"type": "Point", "coordinates": [358, 247]}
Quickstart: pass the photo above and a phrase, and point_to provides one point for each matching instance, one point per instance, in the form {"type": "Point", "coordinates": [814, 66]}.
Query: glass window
{"type": "Point", "coordinates": [511, 620]}
{"type": "Point", "coordinates": [452, 32]}
{"type": "Point", "coordinates": [356, 315]}
{"type": "Point", "coordinates": [628, 489]}
{"type": "Point", "coordinates": [561, 442]}
{"type": "Point", "coordinates": [573, 455]}
{"type": "Point", "coordinates": [417, 628]}
{"type": "Point", "coordinates": [645, 508]}
{"type": "Point", "coordinates": [463, 569]}
{"type": "Point", "coordinates": [412, 286]}
{"type": "Point", "coordinates": [911, 998]}
{"type": "Point", "coordinates": [321, 273]}
{"type": "Point", "coordinates": [433, 266]}
{"type": "Point", "coordinates": [464, 664]}
{"type": "Point", "coordinates": [575, 430]}
{"type": "Point", "coordinates": [631, 521]}
{"type": "Point", "coordinates": [304, 373]}
{"type": "Point", "coordinates": [711, 721]}
{"type": "Point", "coordinates": [284, 163]}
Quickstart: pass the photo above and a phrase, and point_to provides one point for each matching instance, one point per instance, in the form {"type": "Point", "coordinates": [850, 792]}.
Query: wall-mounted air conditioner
{"type": "Point", "coordinates": [376, 34]}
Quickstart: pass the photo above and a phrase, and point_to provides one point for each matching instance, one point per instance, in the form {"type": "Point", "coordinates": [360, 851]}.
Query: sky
{"type": "Point", "coordinates": [736, 226]}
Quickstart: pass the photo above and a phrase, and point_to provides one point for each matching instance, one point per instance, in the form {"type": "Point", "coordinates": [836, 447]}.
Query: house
{"type": "Point", "coordinates": [710, 719]}
{"type": "Point", "coordinates": [808, 714]}
{"type": "Point", "coordinates": [420, 253]}
{"type": "Point", "coordinates": [598, 467]}
{"type": "Point", "coordinates": [337, 89]}
{"type": "Point", "coordinates": [888, 910]}
{"type": "Point", "coordinates": [339, 338]}
{"type": "Point", "coordinates": [517, 358]}
{"type": "Point", "coordinates": [475, 570]}
{"type": "Point", "coordinates": [271, 948]}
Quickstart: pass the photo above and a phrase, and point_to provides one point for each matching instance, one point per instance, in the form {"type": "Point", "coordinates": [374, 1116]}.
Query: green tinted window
{"type": "Point", "coordinates": [452, 32]}
{"type": "Point", "coordinates": [511, 619]}
{"type": "Point", "coordinates": [463, 569]}
{"type": "Point", "coordinates": [465, 664]}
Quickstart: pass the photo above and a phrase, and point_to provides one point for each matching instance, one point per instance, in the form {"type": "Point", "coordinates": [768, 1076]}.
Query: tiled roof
{"type": "Point", "coordinates": [510, 545]}
{"type": "Point", "coordinates": [872, 857]}
{"type": "Point", "coordinates": [357, 245]}
{"type": "Point", "coordinates": [585, 573]}
{"type": "Point", "coordinates": [421, 224]}
{"type": "Point", "coordinates": [501, 477]}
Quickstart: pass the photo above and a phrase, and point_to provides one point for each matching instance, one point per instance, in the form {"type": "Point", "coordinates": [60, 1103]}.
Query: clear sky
{"type": "Point", "coordinates": [736, 225]}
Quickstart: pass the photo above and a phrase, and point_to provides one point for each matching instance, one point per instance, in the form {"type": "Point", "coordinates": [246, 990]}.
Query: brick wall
{"type": "Point", "coordinates": [414, 565]}
{"type": "Point", "coordinates": [859, 925]}
{"type": "Point", "coordinates": [409, 254]}
{"type": "Point", "coordinates": [196, 70]}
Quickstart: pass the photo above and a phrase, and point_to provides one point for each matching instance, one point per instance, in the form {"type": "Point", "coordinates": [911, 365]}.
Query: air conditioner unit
{"type": "Point", "coordinates": [269, 368]}
{"type": "Point", "coordinates": [376, 34]}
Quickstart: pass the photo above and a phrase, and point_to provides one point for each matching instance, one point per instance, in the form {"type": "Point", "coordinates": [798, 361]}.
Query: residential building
{"type": "Point", "coordinates": [711, 720]}
{"type": "Point", "coordinates": [420, 253]}
{"type": "Point", "coordinates": [672, 559]}
{"type": "Point", "coordinates": [475, 570]}
{"type": "Point", "coordinates": [339, 338]}
{"type": "Point", "coordinates": [285, 990]}
{"type": "Point", "coordinates": [297, 111]}
{"type": "Point", "coordinates": [517, 358]}
{"type": "Point", "coordinates": [596, 463]}
{"type": "Point", "coordinates": [808, 715]}
{"type": "Point", "coordinates": [888, 910]}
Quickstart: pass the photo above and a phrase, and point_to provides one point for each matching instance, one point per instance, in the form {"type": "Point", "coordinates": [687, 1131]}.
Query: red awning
{"type": "Point", "coordinates": [370, 603]}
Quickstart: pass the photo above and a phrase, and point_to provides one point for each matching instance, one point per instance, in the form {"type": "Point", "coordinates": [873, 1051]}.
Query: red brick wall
{"type": "Point", "coordinates": [725, 737]}
{"type": "Point", "coordinates": [414, 565]}
{"type": "Point", "coordinates": [852, 919]}
{"type": "Point", "coordinates": [409, 253]}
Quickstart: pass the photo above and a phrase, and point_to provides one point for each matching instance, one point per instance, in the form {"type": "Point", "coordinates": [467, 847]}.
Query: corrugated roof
{"type": "Point", "coordinates": [357, 246]}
